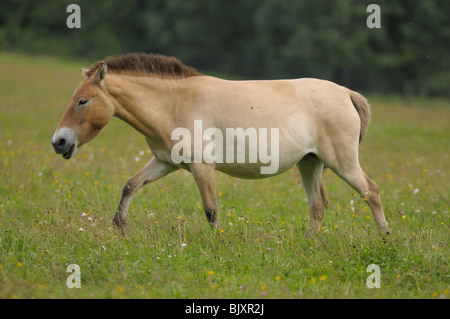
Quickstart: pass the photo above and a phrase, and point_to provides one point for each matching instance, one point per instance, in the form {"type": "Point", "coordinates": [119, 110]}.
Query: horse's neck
{"type": "Point", "coordinates": [146, 103]}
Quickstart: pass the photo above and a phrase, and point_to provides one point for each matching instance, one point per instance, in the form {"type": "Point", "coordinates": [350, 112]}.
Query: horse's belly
{"type": "Point", "coordinates": [259, 170]}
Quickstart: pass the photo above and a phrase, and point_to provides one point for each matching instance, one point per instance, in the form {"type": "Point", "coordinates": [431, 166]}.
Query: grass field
{"type": "Point", "coordinates": [54, 213]}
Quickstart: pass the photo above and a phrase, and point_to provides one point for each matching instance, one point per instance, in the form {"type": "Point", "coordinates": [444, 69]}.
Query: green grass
{"type": "Point", "coordinates": [55, 212]}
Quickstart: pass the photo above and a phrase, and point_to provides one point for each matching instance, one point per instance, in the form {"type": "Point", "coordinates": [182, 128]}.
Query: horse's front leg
{"type": "Point", "coordinates": [204, 177]}
{"type": "Point", "coordinates": [153, 170]}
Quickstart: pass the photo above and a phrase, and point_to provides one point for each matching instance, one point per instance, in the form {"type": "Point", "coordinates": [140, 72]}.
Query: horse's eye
{"type": "Point", "coordinates": [82, 102]}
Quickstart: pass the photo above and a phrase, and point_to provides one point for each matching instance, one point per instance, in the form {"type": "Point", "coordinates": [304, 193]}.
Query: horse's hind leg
{"type": "Point", "coordinates": [345, 164]}
{"type": "Point", "coordinates": [370, 192]}
{"type": "Point", "coordinates": [311, 169]}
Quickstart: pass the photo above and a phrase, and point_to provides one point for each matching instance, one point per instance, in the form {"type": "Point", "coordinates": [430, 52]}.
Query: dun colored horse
{"type": "Point", "coordinates": [313, 124]}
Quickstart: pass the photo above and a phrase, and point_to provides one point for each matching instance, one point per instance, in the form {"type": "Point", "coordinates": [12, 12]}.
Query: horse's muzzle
{"type": "Point", "coordinates": [64, 142]}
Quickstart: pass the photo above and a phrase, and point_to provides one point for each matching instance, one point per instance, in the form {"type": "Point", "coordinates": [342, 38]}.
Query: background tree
{"type": "Point", "coordinates": [253, 38]}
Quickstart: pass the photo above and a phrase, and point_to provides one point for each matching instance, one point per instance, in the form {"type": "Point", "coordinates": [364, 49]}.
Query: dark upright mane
{"type": "Point", "coordinates": [144, 63]}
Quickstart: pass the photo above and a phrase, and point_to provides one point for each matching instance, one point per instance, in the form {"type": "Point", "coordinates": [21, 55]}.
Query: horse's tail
{"type": "Point", "coordinates": [363, 108]}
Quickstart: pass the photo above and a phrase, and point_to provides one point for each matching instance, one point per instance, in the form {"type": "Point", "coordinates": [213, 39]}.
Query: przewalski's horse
{"type": "Point", "coordinates": [314, 123]}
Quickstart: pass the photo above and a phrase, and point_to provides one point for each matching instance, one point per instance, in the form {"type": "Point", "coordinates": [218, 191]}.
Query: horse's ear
{"type": "Point", "coordinates": [101, 72]}
{"type": "Point", "coordinates": [84, 72]}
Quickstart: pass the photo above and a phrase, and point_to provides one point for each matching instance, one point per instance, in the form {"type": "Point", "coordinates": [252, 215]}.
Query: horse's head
{"type": "Point", "coordinates": [88, 112]}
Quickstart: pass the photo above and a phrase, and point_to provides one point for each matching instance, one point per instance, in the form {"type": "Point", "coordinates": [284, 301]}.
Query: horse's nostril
{"type": "Point", "coordinates": [59, 145]}
{"type": "Point", "coordinates": [61, 142]}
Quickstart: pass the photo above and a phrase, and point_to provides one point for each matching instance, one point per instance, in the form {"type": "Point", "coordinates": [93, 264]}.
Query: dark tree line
{"type": "Point", "coordinates": [327, 39]}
